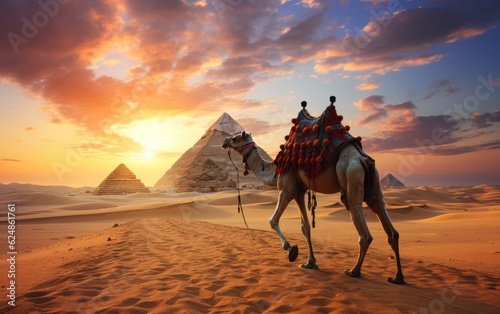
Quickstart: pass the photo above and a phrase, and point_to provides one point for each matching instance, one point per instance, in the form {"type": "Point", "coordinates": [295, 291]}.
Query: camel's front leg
{"type": "Point", "coordinates": [283, 201]}
{"type": "Point", "coordinates": [306, 230]}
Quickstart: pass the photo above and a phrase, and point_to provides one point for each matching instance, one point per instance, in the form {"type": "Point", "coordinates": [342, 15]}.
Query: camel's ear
{"type": "Point", "coordinates": [243, 134]}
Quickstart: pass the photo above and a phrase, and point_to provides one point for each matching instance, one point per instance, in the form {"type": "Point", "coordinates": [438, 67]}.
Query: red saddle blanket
{"type": "Point", "coordinates": [313, 143]}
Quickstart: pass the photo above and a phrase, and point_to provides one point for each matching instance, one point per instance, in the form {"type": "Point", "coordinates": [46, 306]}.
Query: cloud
{"type": "Point", "coordinates": [451, 150]}
{"type": "Point", "coordinates": [10, 160]}
{"type": "Point", "coordinates": [407, 132]}
{"type": "Point", "coordinates": [379, 110]}
{"type": "Point", "coordinates": [200, 56]}
{"type": "Point", "coordinates": [451, 90]}
{"type": "Point", "coordinates": [484, 120]}
{"type": "Point", "coordinates": [174, 58]}
{"type": "Point", "coordinates": [29, 128]}
{"type": "Point", "coordinates": [368, 85]}
{"type": "Point", "coordinates": [392, 39]}
{"type": "Point", "coordinates": [443, 87]}
{"type": "Point", "coordinates": [111, 62]}
{"type": "Point", "coordinates": [311, 4]}
{"type": "Point", "coordinates": [51, 62]}
{"type": "Point", "coordinates": [190, 56]}
{"type": "Point", "coordinates": [111, 142]}
{"type": "Point", "coordinates": [398, 129]}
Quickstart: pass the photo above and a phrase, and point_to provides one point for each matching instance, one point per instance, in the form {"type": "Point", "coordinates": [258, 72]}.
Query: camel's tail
{"type": "Point", "coordinates": [371, 179]}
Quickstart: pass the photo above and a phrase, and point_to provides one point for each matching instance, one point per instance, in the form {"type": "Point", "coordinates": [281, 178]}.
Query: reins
{"type": "Point", "coordinates": [240, 206]}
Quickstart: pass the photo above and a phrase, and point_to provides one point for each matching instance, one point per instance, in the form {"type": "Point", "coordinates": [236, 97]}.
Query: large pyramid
{"type": "Point", "coordinates": [120, 181]}
{"type": "Point", "coordinates": [391, 181]}
{"type": "Point", "coordinates": [205, 167]}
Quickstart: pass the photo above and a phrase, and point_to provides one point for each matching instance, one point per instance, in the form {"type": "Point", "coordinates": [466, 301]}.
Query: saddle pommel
{"type": "Point", "coordinates": [332, 99]}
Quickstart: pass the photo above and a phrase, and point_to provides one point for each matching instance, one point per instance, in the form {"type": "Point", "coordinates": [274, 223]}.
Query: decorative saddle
{"type": "Point", "coordinates": [314, 143]}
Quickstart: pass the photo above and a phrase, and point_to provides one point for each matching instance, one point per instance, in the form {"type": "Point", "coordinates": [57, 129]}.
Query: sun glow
{"type": "Point", "coordinates": [161, 134]}
{"type": "Point", "coordinates": [148, 154]}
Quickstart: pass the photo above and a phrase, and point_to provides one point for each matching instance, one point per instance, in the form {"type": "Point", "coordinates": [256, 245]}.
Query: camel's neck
{"type": "Point", "coordinates": [263, 169]}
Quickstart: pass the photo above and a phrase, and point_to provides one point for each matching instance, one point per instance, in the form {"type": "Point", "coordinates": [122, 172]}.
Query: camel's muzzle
{"type": "Point", "coordinates": [225, 144]}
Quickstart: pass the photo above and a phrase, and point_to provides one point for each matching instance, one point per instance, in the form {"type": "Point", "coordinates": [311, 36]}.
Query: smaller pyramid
{"type": "Point", "coordinates": [120, 181]}
{"type": "Point", "coordinates": [391, 181]}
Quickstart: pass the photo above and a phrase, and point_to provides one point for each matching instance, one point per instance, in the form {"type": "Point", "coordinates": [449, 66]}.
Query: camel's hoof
{"type": "Point", "coordinates": [399, 280]}
{"type": "Point", "coordinates": [351, 273]}
{"type": "Point", "coordinates": [293, 253]}
{"type": "Point", "coordinates": [309, 265]}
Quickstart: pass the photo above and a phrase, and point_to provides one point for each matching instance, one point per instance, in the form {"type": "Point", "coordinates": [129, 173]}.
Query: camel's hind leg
{"type": "Point", "coordinates": [354, 177]}
{"type": "Point", "coordinates": [378, 207]}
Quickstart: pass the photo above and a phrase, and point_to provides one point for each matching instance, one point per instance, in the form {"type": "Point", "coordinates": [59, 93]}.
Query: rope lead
{"type": "Point", "coordinates": [240, 206]}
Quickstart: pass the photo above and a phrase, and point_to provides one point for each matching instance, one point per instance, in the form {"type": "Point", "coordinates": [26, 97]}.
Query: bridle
{"type": "Point", "coordinates": [244, 146]}
{"type": "Point", "coordinates": [240, 206]}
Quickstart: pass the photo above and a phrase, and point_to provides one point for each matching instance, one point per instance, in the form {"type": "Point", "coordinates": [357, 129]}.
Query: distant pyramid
{"type": "Point", "coordinates": [391, 181]}
{"type": "Point", "coordinates": [205, 167]}
{"type": "Point", "coordinates": [120, 181]}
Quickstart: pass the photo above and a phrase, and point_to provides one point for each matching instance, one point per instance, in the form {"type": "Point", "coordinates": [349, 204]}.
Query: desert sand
{"type": "Point", "coordinates": [191, 253]}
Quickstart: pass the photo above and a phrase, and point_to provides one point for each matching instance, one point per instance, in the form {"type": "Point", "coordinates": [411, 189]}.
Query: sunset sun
{"type": "Point", "coordinates": [148, 154]}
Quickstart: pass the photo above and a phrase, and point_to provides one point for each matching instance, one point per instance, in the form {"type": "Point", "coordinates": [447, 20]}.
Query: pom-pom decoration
{"type": "Point", "coordinates": [311, 144]}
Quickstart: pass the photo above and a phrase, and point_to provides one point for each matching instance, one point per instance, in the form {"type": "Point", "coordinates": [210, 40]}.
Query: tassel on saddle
{"type": "Point", "coordinates": [311, 205]}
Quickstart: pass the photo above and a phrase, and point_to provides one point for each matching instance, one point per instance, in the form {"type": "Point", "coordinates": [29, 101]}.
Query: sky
{"type": "Point", "coordinates": [87, 85]}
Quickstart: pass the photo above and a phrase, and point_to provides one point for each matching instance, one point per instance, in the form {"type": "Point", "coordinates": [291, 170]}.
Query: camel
{"type": "Point", "coordinates": [347, 176]}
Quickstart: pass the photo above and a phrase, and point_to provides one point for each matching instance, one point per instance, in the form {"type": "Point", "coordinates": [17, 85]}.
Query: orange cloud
{"type": "Point", "coordinates": [368, 85]}
{"type": "Point", "coordinates": [197, 58]}
{"type": "Point", "coordinates": [399, 129]}
{"type": "Point", "coordinates": [391, 41]}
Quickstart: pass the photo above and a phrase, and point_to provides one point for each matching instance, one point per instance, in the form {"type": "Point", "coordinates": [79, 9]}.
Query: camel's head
{"type": "Point", "coordinates": [238, 141]}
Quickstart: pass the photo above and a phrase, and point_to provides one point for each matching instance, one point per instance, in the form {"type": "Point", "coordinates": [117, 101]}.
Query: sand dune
{"type": "Point", "coordinates": [158, 265]}
{"type": "Point", "coordinates": [188, 253]}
